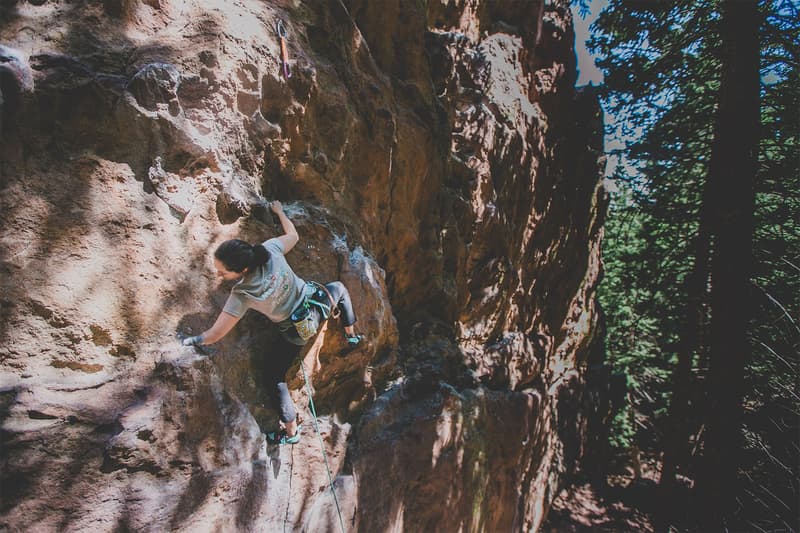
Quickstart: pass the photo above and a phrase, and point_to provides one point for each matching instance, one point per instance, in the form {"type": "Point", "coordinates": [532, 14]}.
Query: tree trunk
{"type": "Point", "coordinates": [731, 185]}
{"type": "Point", "coordinates": [675, 444]}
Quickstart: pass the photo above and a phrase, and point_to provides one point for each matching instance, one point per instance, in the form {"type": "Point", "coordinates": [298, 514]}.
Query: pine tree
{"type": "Point", "coordinates": [731, 203]}
{"type": "Point", "coordinates": [685, 239]}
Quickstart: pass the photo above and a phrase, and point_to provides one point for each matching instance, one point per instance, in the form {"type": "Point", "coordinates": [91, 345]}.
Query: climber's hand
{"type": "Point", "coordinates": [196, 340]}
{"type": "Point", "coordinates": [276, 207]}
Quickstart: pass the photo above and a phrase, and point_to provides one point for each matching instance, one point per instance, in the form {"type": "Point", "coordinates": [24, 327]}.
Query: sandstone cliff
{"type": "Point", "coordinates": [434, 156]}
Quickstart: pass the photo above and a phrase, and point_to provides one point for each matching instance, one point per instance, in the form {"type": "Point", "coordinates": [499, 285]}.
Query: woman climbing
{"type": "Point", "coordinates": [265, 282]}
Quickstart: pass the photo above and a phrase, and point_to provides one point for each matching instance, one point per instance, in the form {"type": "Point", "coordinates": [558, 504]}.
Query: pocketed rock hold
{"type": "Point", "coordinates": [238, 200]}
{"type": "Point", "coordinates": [156, 83]}
{"type": "Point", "coordinates": [13, 64]}
{"type": "Point", "coordinates": [176, 192]}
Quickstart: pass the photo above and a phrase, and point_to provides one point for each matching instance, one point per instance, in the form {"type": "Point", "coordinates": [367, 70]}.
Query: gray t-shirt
{"type": "Point", "coordinates": [272, 289]}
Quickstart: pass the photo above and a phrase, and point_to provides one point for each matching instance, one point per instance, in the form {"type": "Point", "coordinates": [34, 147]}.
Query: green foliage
{"type": "Point", "coordinates": [633, 335]}
{"type": "Point", "coordinates": [662, 77]}
{"type": "Point", "coordinates": [623, 429]}
{"type": "Point", "coordinates": [661, 67]}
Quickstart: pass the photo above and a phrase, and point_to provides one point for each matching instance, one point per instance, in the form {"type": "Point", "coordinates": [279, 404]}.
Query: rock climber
{"type": "Point", "coordinates": [265, 282]}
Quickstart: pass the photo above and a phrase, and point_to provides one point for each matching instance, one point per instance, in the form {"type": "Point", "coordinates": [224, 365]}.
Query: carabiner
{"type": "Point", "coordinates": [280, 29]}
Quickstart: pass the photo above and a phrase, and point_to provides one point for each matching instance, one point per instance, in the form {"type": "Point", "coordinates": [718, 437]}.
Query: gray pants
{"type": "Point", "coordinates": [280, 357]}
{"type": "Point", "coordinates": [341, 301]}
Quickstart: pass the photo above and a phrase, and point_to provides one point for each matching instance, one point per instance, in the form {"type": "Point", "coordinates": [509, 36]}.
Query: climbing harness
{"type": "Point", "coordinates": [322, 445]}
{"type": "Point", "coordinates": [281, 30]}
{"type": "Point", "coordinates": [305, 322]}
{"type": "Point", "coordinates": [323, 289]}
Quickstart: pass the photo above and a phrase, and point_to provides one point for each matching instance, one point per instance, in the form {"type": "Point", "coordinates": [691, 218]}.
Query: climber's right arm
{"type": "Point", "coordinates": [225, 322]}
{"type": "Point", "coordinates": [290, 236]}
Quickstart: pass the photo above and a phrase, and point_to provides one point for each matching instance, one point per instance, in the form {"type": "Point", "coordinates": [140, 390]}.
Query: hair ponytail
{"type": "Point", "coordinates": [238, 255]}
{"type": "Point", "coordinates": [260, 256]}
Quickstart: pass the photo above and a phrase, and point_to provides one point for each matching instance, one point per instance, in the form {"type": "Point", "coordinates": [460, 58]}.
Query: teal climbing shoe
{"type": "Point", "coordinates": [281, 437]}
{"type": "Point", "coordinates": [353, 342]}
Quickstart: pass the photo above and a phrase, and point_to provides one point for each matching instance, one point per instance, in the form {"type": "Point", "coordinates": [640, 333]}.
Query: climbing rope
{"type": "Point", "coordinates": [289, 498]}
{"type": "Point", "coordinates": [322, 445]}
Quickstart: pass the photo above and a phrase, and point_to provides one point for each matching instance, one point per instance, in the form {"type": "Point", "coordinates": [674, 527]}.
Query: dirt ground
{"type": "Point", "coordinates": [624, 502]}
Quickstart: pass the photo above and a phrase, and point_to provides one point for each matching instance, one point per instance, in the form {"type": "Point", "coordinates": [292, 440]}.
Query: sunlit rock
{"type": "Point", "coordinates": [434, 157]}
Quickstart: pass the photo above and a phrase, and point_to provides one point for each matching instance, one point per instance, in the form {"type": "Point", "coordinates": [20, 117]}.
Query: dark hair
{"type": "Point", "coordinates": [237, 255]}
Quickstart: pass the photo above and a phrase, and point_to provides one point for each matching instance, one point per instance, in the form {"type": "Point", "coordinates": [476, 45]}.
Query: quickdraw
{"type": "Point", "coordinates": [281, 30]}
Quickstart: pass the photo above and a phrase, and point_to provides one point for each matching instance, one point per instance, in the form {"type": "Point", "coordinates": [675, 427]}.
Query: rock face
{"type": "Point", "coordinates": [433, 155]}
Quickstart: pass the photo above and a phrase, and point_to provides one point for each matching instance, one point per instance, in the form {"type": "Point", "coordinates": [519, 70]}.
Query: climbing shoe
{"type": "Point", "coordinates": [281, 437]}
{"type": "Point", "coordinates": [353, 342]}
